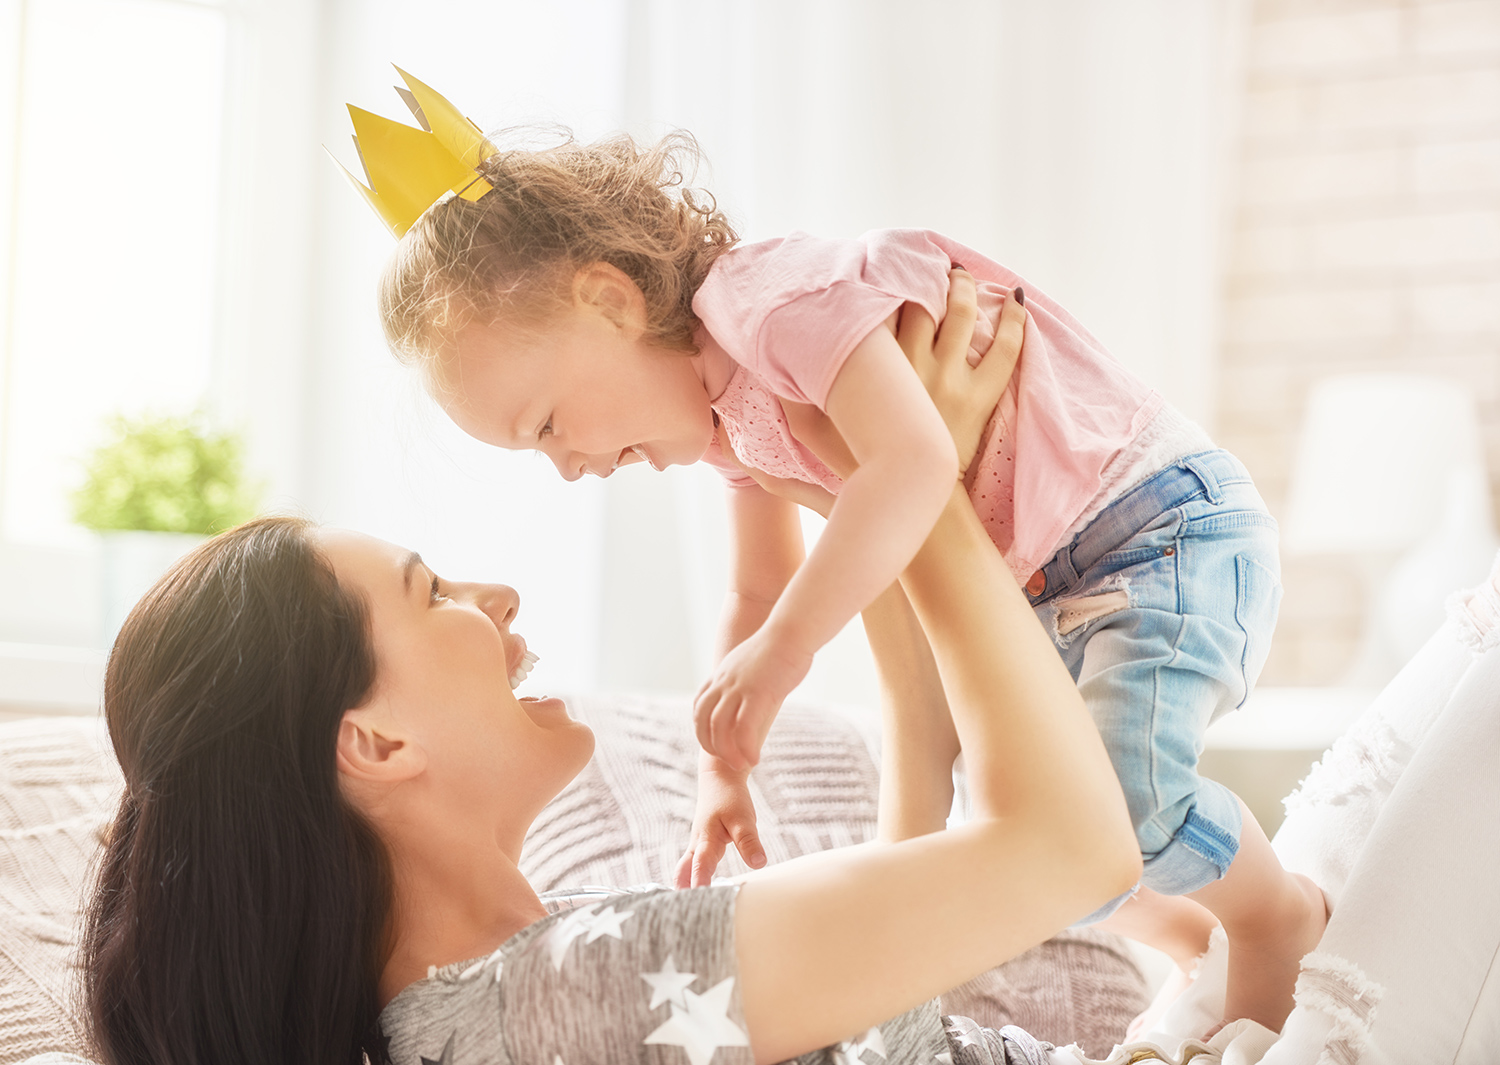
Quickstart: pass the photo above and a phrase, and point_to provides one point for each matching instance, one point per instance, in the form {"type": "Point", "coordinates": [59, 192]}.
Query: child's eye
{"type": "Point", "coordinates": [545, 430]}
{"type": "Point", "coordinates": [436, 593]}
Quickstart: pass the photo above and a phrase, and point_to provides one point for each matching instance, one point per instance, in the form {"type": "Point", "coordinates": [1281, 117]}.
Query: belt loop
{"type": "Point", "coordinates": [1200, 470]}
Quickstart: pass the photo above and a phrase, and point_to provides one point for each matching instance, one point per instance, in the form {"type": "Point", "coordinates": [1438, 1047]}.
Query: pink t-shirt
{"type": "Point", "coordinates": [789, 311]}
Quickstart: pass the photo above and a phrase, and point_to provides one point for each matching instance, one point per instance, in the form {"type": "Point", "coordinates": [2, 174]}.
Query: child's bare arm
{"type": "Point", "coordinates": [917, 757]}
{"type": "Point", "coordinates": [907, 466]}
{"type": "Point", "coordinates": [765, 549]}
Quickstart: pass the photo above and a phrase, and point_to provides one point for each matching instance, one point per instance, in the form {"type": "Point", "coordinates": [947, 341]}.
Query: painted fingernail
{"type": "Point", "coordinates": [1020, 294]}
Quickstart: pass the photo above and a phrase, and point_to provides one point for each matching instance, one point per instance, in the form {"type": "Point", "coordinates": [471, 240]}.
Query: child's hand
{"type": "Point", "coordinates": [724, 815]}
{"type": "Point", "coordinates": [965, 395]}
{"type": "Point", "coordinates": [735, 708]}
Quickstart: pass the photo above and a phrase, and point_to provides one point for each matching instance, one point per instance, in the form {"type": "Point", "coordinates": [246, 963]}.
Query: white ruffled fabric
{"type": "Point", "coordinates": [1399, 824]}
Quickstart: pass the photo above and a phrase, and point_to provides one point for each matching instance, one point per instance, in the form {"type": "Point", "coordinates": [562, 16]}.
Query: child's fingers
{"type": "Point", "coordinates": [957, 331]}
{"type": "Point", "coordinates": [706, 856]}
{"type": "Point", "coordinates": [683, 877]}
{"type": "Point", "coordinates": [747, 842]}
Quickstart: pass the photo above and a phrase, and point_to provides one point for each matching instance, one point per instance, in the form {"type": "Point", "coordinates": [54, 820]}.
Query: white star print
{"type": "Point", "coordinates": [668, 985]}
{"type": "Point", "coordinates": [964, 1032]}
{"type": "Point", "coordinates": [701, 1025]}
{"type": "Point", "coordinates": [581, 922]}
{"type": "Point", "coordinates": [945, 1058]}
{"type": "Point", "coordinates": [851, 1051]}
{"type": "Point", "coordinates": [872, 1040]}
{"type": "Point", "coordinates": [607, 923]}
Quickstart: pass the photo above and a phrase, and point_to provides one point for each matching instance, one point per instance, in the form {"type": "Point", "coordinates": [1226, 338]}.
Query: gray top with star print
{"type": "Point", "coordinates": [647, 975]}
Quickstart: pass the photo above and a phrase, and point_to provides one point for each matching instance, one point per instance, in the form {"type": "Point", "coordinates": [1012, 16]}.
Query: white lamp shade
{"type": "Point", "coordinates": [1371, 472]}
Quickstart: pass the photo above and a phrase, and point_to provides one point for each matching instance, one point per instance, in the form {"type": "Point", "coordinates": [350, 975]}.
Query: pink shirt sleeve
{"type": "Point", "coordinates": [793, 309]}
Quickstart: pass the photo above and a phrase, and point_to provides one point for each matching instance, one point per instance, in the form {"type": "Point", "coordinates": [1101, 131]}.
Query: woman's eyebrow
{"type": "Point", "coordinates": [413, 560]}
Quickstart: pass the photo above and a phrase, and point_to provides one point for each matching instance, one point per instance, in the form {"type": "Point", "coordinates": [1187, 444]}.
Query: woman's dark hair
{"type": "Point", "coordinates": [240, 910]}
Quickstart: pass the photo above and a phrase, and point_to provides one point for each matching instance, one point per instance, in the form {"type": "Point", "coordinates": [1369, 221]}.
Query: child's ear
{"type": "Point", "coordinates": [609, 291]}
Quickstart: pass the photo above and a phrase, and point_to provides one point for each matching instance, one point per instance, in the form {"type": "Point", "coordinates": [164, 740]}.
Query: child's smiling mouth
{"type": "Point", "coordinates": [633, 453]}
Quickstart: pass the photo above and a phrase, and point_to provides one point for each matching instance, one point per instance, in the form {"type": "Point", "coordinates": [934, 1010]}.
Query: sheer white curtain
{"type": "Point", "coordinates": [1081, 142]}
{"type": "Point", "coordinates": [1078, 141]}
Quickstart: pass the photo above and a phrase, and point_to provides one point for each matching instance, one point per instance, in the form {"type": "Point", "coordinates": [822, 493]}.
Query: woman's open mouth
{"type": "Point", "coordinates": [523, 668]}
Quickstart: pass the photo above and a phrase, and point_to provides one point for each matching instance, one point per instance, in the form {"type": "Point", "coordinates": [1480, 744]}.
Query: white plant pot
{"type": "Point", "coordinates": [132, 563]}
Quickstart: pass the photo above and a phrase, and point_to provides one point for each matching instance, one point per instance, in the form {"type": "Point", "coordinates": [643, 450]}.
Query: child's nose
{"type": "Point", "coordinates": [570, 465]}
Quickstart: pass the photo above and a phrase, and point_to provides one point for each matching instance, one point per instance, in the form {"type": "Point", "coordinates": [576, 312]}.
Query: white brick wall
{"type": "Point", "coordinates": [1367, 236]}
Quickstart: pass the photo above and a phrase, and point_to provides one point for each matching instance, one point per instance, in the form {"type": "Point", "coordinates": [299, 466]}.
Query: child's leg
{"type": "Point", "coordinates": [1164, 609]}
{"type": "Point", "coordinates": [1173, 924]}
{"type": "Point", "coordinates": [1272, 918]}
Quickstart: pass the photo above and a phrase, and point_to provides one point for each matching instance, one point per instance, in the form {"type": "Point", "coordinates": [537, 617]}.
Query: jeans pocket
{"type": "Point", "coordinates": [1257, 600]}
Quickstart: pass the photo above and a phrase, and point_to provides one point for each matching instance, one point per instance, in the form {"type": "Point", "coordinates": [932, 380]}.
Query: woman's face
{"type": "Point", "coordinates": [445, 655]}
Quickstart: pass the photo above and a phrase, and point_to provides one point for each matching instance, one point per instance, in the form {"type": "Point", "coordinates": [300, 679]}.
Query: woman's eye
{"type": "Point", "coordinates": [436, 591]}
{"type": "Point", "coordinates": [545, 430]}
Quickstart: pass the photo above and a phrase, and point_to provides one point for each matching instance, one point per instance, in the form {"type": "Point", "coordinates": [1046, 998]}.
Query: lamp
{"type": "Point", "coordinates": [1389, 470]}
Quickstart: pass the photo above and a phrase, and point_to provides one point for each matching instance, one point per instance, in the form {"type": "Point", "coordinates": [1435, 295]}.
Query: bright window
{"type": "Point", "coordinates": [111, 162]}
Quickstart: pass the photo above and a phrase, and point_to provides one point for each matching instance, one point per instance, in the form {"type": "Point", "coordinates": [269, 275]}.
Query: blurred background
{"type": "Point", "coordinates": [1283, 214]}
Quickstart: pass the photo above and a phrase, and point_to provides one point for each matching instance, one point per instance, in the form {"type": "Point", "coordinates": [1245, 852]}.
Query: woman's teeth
{"type": "Point", "coordinates": [528, 660]}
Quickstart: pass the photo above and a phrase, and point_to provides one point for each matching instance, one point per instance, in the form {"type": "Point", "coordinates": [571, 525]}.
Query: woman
{"type": "Point", "coordinates": [328, 781]}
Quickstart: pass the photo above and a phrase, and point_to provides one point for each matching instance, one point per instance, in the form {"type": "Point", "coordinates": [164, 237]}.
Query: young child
{"type": "Point", "coordinates": [574, 300]}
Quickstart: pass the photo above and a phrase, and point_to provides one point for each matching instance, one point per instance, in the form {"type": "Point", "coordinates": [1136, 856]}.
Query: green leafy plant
{"type": "Point", "coordinates": [166, 474]}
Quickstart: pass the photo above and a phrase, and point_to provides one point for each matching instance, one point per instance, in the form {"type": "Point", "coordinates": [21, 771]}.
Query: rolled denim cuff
{"type": "Point", "coordinates": [1197, 854]}
{"type": "Point", "coordinates": [1202, 849]}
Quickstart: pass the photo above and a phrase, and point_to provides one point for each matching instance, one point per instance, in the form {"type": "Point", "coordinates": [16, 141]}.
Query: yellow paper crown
{"type": "Point", "coordinates": [409, 169]}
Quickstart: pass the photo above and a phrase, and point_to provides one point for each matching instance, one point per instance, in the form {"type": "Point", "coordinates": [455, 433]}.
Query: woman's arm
{"type": "Point", "coordinates": [832, 945]}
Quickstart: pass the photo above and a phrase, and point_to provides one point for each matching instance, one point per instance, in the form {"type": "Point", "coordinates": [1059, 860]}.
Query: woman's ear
{"type": "Point", "coordinates": [608, 291]}
{"type": "Point", "coordinates": [369, 749]}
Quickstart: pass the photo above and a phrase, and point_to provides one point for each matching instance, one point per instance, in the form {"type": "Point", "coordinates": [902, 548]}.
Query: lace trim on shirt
{"type": "Point", "coordinates": [1169, 436]}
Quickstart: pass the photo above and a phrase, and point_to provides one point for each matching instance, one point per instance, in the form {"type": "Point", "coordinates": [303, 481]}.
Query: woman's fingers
{"type": "Point", "coordinates": [994, 369]}
{"type": "Point", "coordinates": [914, 332]}
{"type": "Point", "coordinates": [957, 331]}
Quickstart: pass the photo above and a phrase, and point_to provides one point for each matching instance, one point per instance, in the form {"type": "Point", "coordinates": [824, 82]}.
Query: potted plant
{"type": "Point", "coordinates": [156, 487]}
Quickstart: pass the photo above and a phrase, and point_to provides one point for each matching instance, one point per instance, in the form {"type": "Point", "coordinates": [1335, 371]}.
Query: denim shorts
{"type": "Point", "coordinates": [1162, 608]}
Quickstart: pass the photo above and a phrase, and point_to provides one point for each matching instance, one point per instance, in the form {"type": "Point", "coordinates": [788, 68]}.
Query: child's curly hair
{"type": "Point", "coordinates": [553, 210]}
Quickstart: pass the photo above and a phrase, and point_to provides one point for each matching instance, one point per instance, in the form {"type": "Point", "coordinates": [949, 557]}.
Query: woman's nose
{"type": "Point", "coordinates": [500, 602]}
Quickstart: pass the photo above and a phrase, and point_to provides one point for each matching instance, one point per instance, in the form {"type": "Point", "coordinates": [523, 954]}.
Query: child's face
{"type": "Point", "coordinates": [588, 394]}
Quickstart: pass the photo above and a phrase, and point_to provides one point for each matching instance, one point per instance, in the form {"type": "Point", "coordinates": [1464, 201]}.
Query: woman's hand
{"type": "Point", "coordinates": [965, 389]}
{"type": "Point", "coordinates": [965, 392]}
